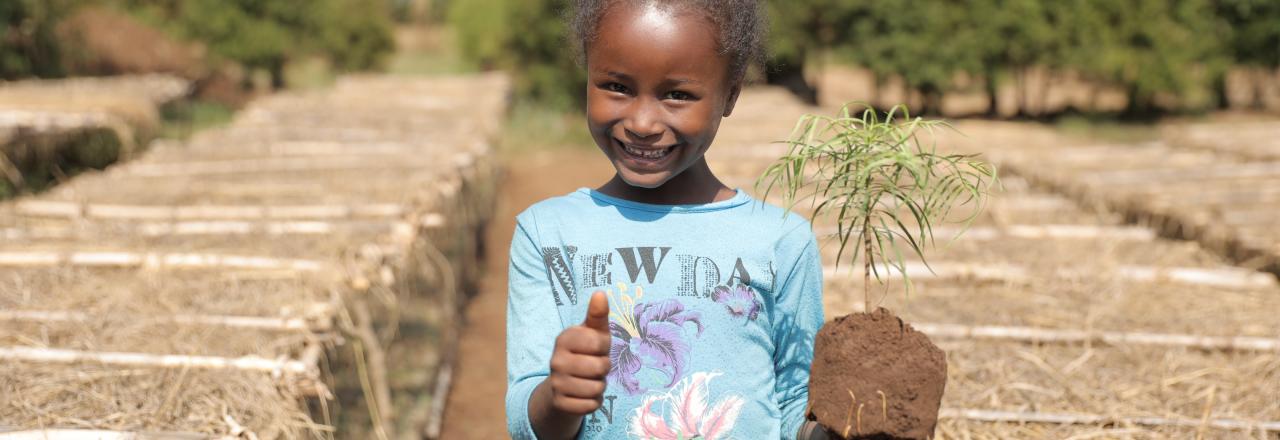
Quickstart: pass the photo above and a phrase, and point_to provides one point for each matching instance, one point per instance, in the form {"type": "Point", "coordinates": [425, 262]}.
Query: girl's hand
{"type": "Point", "coordinates": [579, 365]}
{"type": "Point", "coordinates": [580, 361]}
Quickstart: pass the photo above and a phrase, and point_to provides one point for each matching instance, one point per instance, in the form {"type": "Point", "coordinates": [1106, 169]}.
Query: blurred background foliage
{"type": "Point", "coordinates": [1158, 56]}
{"type": "Point", "coordinates": [202, 40]}
{"type": "Point", "coordinates": [1163, 54]}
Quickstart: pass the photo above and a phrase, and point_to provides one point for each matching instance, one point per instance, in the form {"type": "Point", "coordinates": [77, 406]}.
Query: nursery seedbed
{"type": "Point", "coordinates": [146, 399]}
{"type": "Point", "coordinates": [139, 334]}
{"type": "Point", "coordinates": [1212, 191]}
{"type": "Point", "coordinates": [82, 230]}
{"type": "Point", "coordinates": [1255, 139]}
{"type": "Point", "coordinates": [1115, 381]}
{"type": "Point", "coordinates": [348, 188]}
{"type": "Point", "coordinates": [234, 265]}
{"type": "Point", "coordinates": [212, 149]}
{"type": "Point", "coordinates": [91, 122]}
{"type": "Point", "coordinates": [1100, 303]}
{"type": "Point", "coordinates": [132, 292]}
{"type": "Point", "coordinates": [1050, 254]}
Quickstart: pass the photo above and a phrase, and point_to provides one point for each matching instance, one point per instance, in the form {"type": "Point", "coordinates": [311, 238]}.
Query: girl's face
{"type": "Point", "coordinates": [657, 87]}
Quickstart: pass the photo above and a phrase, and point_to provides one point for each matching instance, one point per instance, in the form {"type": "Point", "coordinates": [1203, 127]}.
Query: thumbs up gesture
{"type": "Point", "coordinates": [580, 361]}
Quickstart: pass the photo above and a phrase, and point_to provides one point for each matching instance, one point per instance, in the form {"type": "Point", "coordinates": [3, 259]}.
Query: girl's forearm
{"type": "Point", "coordinates": [549, 423]}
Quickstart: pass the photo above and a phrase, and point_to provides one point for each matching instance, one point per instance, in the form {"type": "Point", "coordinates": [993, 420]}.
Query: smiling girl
{"type": "Point", "coordinates": [662, 304]}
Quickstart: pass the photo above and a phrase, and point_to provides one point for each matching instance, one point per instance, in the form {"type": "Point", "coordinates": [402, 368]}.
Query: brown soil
{"type": "Point", "coordinates": [865, 363]}
{"type": "Point", "coordinates": [476, 408]}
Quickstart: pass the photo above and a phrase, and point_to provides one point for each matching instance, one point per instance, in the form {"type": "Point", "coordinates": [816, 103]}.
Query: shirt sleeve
{"type": "Point", "coordinates": [532, 326]}
{"type": "Point", "coordinates": [799, 309]}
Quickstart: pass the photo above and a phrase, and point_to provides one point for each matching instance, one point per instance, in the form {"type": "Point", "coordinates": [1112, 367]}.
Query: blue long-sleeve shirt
{"type": "Point", "coordinates": [713, 310]}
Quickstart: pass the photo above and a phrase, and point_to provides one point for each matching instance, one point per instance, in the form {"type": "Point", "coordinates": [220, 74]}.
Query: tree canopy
{"type": "Point", "coordinates": [258, 34]}
{"type": "Point", "coordinates": [1151, 49]}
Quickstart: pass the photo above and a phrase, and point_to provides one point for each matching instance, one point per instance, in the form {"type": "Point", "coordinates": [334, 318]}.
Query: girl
{"type": "Point", "coordinates": [662, 304]}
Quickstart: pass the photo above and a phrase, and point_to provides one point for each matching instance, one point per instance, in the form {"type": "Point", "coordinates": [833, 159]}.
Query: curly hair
{"type": "Point", "coordinates": [742, 26]}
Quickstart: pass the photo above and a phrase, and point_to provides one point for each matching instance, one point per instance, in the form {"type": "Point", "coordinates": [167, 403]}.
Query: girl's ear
{"type": "Point", "coordinates": [732, 99]}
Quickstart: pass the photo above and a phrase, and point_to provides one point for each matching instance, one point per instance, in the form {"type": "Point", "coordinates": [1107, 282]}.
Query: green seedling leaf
{"type": "Point", "coordinates": [883, 187]}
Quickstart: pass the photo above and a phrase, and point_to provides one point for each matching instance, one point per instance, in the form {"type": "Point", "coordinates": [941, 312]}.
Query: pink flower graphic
{"type": "Point", "coordinates": [647, 335]}
{"type": "Point", "coordinates": [741, 301]}
{"type": "Point", "coordinates": [688, 414]}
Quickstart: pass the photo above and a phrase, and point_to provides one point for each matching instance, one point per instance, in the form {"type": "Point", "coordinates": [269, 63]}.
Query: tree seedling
{"type": "Point", "coordinates": [886, 188]}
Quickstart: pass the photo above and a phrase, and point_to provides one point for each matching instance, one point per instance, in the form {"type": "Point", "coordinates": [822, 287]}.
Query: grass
{"type": "Point", "coordinates": [309, 74]}
{"type": "Point", "coordinates": [1106, 128]}
{"type": "Point", "coordinates": [182, 119]}
{"type": "Point", "coordinates": [90, 149]}
{"type": "Point", "coordinates": [428, 63]}
{"type": "Point", "coordinates": [533, 127]}
{"type": "Point", "coordinates": [428, 50]}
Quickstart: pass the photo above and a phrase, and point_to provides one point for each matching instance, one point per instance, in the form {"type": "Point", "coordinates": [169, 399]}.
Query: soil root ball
{"type": "Point", "coordinates": [876, 377]}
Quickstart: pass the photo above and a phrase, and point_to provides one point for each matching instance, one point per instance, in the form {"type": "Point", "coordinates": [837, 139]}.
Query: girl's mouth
{"type": "Point", "coordinates": [650, 155]}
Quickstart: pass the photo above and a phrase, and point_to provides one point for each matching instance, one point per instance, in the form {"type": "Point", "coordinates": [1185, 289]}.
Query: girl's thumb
{"type": "Point", "coordinates": [598, 313]}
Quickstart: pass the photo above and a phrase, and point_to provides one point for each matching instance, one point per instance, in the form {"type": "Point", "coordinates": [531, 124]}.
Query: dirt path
{"type": "Point", "coordinates": [475, 409]}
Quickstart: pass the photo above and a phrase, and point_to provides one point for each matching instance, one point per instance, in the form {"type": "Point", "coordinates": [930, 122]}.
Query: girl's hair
{"type": "Point", "coordinates": [741, 24]}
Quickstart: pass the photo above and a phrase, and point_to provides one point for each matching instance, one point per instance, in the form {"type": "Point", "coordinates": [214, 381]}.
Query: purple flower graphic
{"type": "Point", "coordinates": [647, 335]}
{"type": "Point", "coordinates": [741, 301]}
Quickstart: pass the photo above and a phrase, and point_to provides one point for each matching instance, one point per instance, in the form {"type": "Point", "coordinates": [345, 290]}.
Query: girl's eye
{"type": "Point", "coordinates": [680, 96]}
{"type": "Point", "coordinates": [615, 87]}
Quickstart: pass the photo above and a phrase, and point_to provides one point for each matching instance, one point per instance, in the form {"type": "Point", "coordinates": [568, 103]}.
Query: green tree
{"type": "Point", "coordinates": [267, 34]}
{"type": "Point", "coordinates": [1163, 47]}
{"type": "Point", "coordinates": [1003, 38]}
{"type": "Point", "coordinates": [527, 37]}
{"type": "Point", "coordinates": [1255, 36]}
{"type": "Point", "coordinates": [28, 43]}
{"type": "Point", "coordinates": [355, 34]}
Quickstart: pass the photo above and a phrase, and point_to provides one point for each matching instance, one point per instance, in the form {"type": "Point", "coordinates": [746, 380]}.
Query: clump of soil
{"type": "Point", "coordinates": [867, 363]}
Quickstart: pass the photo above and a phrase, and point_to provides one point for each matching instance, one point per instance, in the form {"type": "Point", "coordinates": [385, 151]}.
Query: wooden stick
{"type": "Point", "coordinates": [165, 229]}
{"type": "Point", "coordinates": [93, 434]}
{"type": "Point", "coordinates": [1095, 419]}
{"type": "Point", "coordinates": [1128, 233]}
{"type": "Point", "coordinates": [245, 363]}
{"type": "Point", "coordinates": [156, 261]}
{"type": "Point", "coordinates": [1216, 172]}
{"type": "Point", "coordinates": [1066, 336]}
{"type": "Point", "coordinates": [73, 210]}
{"type": "Point", "coordinates": [251, 228]}
{"type": "Point", "coordinates": [273, 165]}
{"type": "Point", "coordinates": [1226, 277]}
{"type": "Point", "coordinates": [324, 148]}
{"type": "Point", "coordinates": [242, 322]}
{"type": "Point", "coordinates": [183, 228]}
{"type": "Point", "coordinates": [943, 270]}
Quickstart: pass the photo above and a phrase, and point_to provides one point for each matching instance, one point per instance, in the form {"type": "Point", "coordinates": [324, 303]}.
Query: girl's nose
{"type": "Point", "coordinates": [644, 121]}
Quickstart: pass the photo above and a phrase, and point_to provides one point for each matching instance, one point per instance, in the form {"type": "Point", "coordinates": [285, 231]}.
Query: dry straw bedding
{"type": "Point", "coordinates": [119, 304]}
{"type": "Point", "coordinates": [1114, 381]}
{"type": "Point", "coordinates": [1197, 188]}
{"type": "Point", "coordinates": [123, 308]}
{"type": "Point", "coordinates": [323, 249]}
{"type": "Point", "coordinates": [370, 259]}
{"type": "Point", "coordinates": [133, 292]}
{"type": "Point", "coordinates": [1095, 304]}
{"type": "Point", "coordinates": [1254, 139]}
{"type": "Point", "coordinates": [149, 400]}
{"type": "Point", "coordinates": [73, 108]}
{"type": "Point", "coordinates": [242, 190]}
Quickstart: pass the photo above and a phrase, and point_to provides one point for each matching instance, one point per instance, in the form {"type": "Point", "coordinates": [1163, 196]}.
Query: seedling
{"type": "Point", "coordinates": [872, 174]}
{"type": "Point", "coordinates": [886, 189]}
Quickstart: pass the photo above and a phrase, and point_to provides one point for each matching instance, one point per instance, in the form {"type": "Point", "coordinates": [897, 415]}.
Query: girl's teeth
{"type": "Point", "coordinates": [648, 154]}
